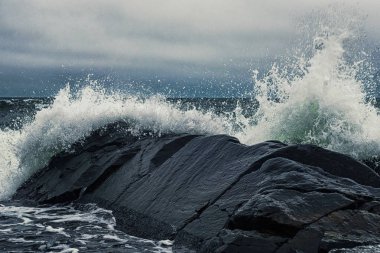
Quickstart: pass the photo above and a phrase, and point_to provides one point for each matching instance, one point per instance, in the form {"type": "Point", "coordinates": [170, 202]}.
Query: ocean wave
{"type": "Point", "coordinates": [74, 115]}
{"type": "Point", "coordinates": [325, 104]}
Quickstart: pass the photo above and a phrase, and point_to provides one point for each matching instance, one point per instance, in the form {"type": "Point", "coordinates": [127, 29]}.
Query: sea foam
{"type": "Point", "coordinates": [326, 104]}
{"type": "Point", "coordinates": [74, 115]}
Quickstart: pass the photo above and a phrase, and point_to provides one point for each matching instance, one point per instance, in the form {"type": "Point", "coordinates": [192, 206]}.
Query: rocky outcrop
{"type": "Point", "coordinates": [213, 194]}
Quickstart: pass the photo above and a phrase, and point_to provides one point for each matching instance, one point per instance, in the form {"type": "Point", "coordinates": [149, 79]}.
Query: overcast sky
{"type": "Point", "coordinates": [204, 36]}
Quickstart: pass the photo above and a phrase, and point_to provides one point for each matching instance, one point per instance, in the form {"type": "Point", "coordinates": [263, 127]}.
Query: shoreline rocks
{"type": "Point", "coordinates": [213, 194]}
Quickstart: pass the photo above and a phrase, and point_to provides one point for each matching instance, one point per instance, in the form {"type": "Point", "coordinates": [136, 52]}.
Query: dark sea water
{"type": "Point", "coordinates": [80, 228]}
{"type": "Point", "coordinates": [15, 111]}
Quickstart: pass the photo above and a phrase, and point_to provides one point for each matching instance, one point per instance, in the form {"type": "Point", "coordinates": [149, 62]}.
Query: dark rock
{"type": "Point", "coordinates": [213, 194]}
{"type": "Point", "coordinates": [348, 228]}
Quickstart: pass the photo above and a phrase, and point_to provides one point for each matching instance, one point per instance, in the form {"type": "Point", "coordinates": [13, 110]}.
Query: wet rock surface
{"type": "Point", "coordinates": [213, 194]}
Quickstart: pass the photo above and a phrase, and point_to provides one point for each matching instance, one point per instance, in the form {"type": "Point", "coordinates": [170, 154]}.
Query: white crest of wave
{"type": "Point", "coordinates": [74, 116]}
{"type": "Point", "coordinates": [326, 105]}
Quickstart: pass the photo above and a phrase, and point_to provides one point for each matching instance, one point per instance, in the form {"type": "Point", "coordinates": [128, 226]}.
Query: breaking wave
{"type": "Point", "coordinates": [74, 115]}
{"type": "Point", "coordinates": [323, 99]}
{"type": "Point", "coordinates": [324, 103]}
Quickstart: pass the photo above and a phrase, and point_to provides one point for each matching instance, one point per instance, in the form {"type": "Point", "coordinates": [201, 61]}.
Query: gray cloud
{"type": "Point", "coordinates": [150, 34]}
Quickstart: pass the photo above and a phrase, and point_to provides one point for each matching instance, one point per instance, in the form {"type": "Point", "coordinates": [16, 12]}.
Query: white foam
{"type": "Point", "coordinates": [88, 227]}
{"type": "Point", "coordinates": [21, 240]}
{"type": "Point", "coordinates": [65, 248]}
{"type": "Point", "coordinates": [57, 230]}
{"type": "Point", "coordinates": [73, 116]}
{"type": "Point", "coordinates": [324, 105]}
{"type": "Point", "coordinates": [115, 238]}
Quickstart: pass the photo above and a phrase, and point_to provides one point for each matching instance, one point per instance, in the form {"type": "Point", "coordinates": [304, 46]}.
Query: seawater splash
{"type": "Point", "coordinates": [318, 100]}
{"type": "Point", "coordinates": [325, 104]}
{"type": "Point", "coordinates": [74, 115]}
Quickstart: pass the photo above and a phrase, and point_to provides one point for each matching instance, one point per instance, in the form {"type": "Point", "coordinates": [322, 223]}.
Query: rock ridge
{"type": "Point", "coordinates": [214, 194]}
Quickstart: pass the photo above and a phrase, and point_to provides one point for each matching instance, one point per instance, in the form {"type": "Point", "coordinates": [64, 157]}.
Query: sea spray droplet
{"type": "Point", "coordinates": [324, 105]}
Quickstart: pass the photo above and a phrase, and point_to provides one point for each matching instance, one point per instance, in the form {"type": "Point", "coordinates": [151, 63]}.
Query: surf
{"type": "Point", "coordinates": [74, 115]}
{"type": "Point", "coordinates": [324, 103]}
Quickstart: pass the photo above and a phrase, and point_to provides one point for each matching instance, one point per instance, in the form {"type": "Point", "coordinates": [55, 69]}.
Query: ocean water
{"type": "Point", "coordinates": [319, 97]}
{"type": "Point", "coordinates": [80, 228]}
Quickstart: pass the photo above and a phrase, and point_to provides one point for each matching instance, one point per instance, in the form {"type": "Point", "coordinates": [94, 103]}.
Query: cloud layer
{"type": "Point", "coordinates": [170, 35]}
